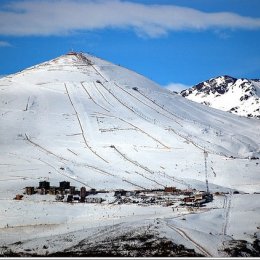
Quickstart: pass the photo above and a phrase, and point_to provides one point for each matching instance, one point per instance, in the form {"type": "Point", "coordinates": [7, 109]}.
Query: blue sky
{"type": "Point", "coordinates": [176, 43]}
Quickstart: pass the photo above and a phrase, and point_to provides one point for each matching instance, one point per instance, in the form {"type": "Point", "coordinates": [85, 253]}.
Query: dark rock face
{"type": "Point", "coordinates": [129, 244]}
{"type": "Point", "coordinates": [242, 248]}
{"type": "Point", "coordinates": [242, 89]}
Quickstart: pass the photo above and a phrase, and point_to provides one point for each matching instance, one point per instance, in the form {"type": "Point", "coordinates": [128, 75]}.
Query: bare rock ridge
{"type": "Point", "coordinates": [237, 96]}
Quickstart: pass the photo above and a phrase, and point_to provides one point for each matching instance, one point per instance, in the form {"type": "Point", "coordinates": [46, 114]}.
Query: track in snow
{"type": "Point", "coordinates": [82, 130]}
{"type": "Point", "coordinates": [227, 209]}
{"type": "Point", "coordinates": [187, 237]}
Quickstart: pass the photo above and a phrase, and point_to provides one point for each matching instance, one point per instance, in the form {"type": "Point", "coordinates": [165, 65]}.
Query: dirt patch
{"type": "Point", "coordinates": [242, 248]}
{"type": "Point", "coordinates": [129, 245]}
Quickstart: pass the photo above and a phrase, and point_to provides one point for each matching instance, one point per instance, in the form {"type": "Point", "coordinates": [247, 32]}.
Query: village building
{"type": "Point", "coordinates": [18, 197]}
{"type": "Point", "coordinates": [70, 198]}
{"type": "Point", "coordinates": [64, 185]}
{"type": "Point", "coordinates": [83, 192]}
{"type": "Point", "coordinates": [29, 190]}
{"type": "Point", "coordinates": [52, 191]}
{"type": "Point", "coordinates": [170, 189]}
{"type": "Point", "coordinates": [72, 190]}
{"type": "Point", "coordinates": [43, 191]}
{"type": "Point", "coordinates": [119, 193]}
{"type": "Point", "coordinates": [93, 191]}
{"type": "Point", "coordinates": [44, 185]}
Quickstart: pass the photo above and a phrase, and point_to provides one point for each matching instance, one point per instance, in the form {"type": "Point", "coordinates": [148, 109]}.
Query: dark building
{"type": "Point", "coordinates": [93, 191]}
{"type": "Point", "coordinates": [82, 199]}
{"type": "Point", "coordinates": [170, 189]}
{"type": "Point", "coordinates": [65, 185]}
{"type": "Point", "coordinates": [29, 190]}
{"type": "Point", "coordinates": [72, 190]}
{"type": "Point", "coordinates": [69, 198]}
{"type": "Point", "coordinates": [119, 193]}
{"type": "Point", "coordinates": [44, 185]}
{"type": "Point", "coordinates": [43, 191]}
{"type": "Point", "coordinates": [52, 191]}
{"type": "Point", "coordinates": [83, 192]}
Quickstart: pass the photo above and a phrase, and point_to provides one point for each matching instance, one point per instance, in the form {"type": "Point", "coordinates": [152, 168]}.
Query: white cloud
{"type": "Point", "coordinates": [59, 17]}
{"type": "Point", "coordinates": [5, 44]}
{"type": "Point", "coordinates": [178, 87]}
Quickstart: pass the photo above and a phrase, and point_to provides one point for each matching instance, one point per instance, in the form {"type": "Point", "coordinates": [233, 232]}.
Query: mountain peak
{"type": "Point", "coordinates": [238, 96]}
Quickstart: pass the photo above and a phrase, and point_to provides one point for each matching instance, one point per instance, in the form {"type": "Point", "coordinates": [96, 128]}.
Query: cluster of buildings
{"type": "Point", "coordinates": [64, 192]}
{"type": "Point", "coordinates": [167, 196]}
{"type": "Point", "coordinates": [198, 199]}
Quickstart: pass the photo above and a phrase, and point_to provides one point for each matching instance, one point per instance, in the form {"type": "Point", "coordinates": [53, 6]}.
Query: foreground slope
{"type": "Point", "coordinates": [84, 119]}
{"type": "Point", "coordinates": [237, 96]}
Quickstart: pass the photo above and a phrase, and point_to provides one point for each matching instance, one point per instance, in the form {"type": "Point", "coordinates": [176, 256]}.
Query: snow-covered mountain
{"type": "Point", "coordinates": [81, 119]}
{"type": "Point", "coordinates": [238, 96]}
{"type": "Point", "coordinates": [109, 127]}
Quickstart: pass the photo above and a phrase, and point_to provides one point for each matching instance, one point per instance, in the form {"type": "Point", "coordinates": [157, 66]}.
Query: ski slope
{"type": "Point", "coordinates": [82, 119]}
{"type": "Point", "coordinates": [82, 113]}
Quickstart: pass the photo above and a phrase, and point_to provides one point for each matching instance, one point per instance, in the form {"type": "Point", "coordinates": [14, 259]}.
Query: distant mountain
{"type": "Point", "coordinates": [238, 96]}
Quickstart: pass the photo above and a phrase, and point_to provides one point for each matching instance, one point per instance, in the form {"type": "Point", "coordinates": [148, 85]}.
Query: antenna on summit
{"type": "Point", "coordinates": [71, 52]}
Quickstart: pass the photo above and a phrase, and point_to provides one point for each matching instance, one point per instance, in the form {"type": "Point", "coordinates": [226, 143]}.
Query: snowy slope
{"type": "Point", "coordinates": [82, 119]}
{"type": "Point", "coordinates": [238, 96]}
{"type": "Point", "coordinates": [82, 113]}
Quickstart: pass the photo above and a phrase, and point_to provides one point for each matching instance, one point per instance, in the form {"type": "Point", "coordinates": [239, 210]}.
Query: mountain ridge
{"type": "Point", "coordinates": [239, 96]}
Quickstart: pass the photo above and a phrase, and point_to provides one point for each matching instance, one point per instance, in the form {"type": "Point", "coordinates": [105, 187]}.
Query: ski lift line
{"type": "Point", "coordinates": [206, 170]}
{"type": "Point", "coordinates": [72, 152]}
{"type": "Point", "coordinates": [136, 127]}
{"type": "Point", "coordinates": [149, 171]}
{"type": "Point", "coordinates": [44, 149]}
{"type": "Point", "coordinates": [136, 185]}
{"type": "Point", "coordinates": [135, 111]}
{"type": "Point", "coordinates": [64, 159]}
{"type": "Point", "coordinates": [66, 175]}
{"type": "Point", "coordinates": [101, 94]}
{"type": "Point", "coordinates": [165, 146]}
{"type": "Point", "coordinates": [163, 108]}
{"type": "Point", "coordinates": [92, 97]}
{"type": "Point", "coordinates": [150, 179]}
{"type": "Point", "coordinates": [180, 117]}
{"type": "Point", "coordinates": [216, 128]}
{"type": "Point", "coordinates": [75, 163]}
{"type": "Point", "coordinates": [81, 127]}
{"type": "Point", "coordinates": [174, 179]}
{"type": "Point", "coordinates": [197, 145]}
{"type": "Point", "coordinates": [131, 161]}
{"type": "Point", "coordinates": [143, 102]}
{"type": "Point", "coordinates": [98, 72]}
{"type": "Point", "coordinates": [27, 104]}
{"type": "Point", "coordinates": [67, 160]}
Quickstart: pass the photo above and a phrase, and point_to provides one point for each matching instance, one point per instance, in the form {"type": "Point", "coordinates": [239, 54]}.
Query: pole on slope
{"type": "Point", "coordinates": [206, 170]}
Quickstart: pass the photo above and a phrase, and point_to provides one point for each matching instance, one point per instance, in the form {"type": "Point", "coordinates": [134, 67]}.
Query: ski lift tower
{"type": "Point", "coordinates": [206, 170]}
